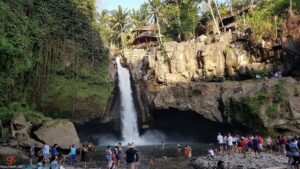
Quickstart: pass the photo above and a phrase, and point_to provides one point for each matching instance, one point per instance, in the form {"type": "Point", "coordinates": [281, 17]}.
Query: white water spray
{"type": "Point", "coordinates": [128, 113]}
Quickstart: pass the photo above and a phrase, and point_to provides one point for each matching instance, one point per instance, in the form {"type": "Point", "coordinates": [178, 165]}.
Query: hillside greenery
{"type": "Point", "coordinates": [52, 57]}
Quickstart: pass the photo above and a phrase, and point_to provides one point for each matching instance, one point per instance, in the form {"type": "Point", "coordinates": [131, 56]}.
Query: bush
{"type": "Point", "coordinates": [272, 111]}
{"type": "Point", "coordinates": [280, 92]}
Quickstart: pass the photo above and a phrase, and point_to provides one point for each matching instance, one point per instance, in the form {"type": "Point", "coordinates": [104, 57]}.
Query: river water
{"type": "Point", "coordinates": [174, 159]}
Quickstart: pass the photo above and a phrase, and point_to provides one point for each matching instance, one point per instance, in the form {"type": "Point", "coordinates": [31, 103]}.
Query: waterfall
{"type": "Point", "coordinates": [128, 113]}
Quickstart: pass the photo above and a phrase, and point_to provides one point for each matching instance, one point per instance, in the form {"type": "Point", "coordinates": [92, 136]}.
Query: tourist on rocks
{"type": "Point", "coordinates": [32, 154]}
{"type": "Point", "coordinates": [260, 143]}
{"type": "Point", "coordinates": [54, 163]}
{"type": "Point", "coordinates": [46, 152]}
{"type": "Point", "coordinates": [189, 151]}
{"type": "Point", "coordinates": [225, 145]}
{"type": "Point", "coordinates": [250, 143]}
{"type": "Point", "coordinates": [83, 152]}
{"type": "Point", "coordinates": [108, 157]}
{"type": "Point", "coordinates": [72, 154]}
{"type": "Point", "coordinates": [220, 139]}
{"type": "Point", "coordinates": [296, 139]}
{"type": "Point", "coordinates": [269, 144]}
{"type": "Point", "coordinates": [178, 147]}
{"type": "Point", "coordinates": [234, 143]}
{"type": "Point", "coordinates": [277, 142]}
{"type": "Point", "coordinates": [255, 144]}
{"type": "Point", "coordinates": [54, 150]}
{"type": "Point", "coordinates": [114, 156]}
{"type": "Point", "coordinates": [130, 157]}
{"type": "Point", "coordinates": [211, 153]}
{"type": "Point", "coordinates": [294, 152]}
{"type": "Point", "coordinates": [229, 143]}
{"type": "Point", "coordinates": [119, 155]}
{"type": "Point", "coordinates": [244, 144]}
{"type": "Point", "coordinates": [288, 152]}
{"type": "Point", "coordinates": [283, 141]}
{"type": "Point", "coordinates": [186, 151]}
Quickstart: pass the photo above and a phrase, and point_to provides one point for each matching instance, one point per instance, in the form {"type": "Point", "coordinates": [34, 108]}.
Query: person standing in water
{"type": "Point", "coordinates": [130, 157]}
{"type": "Point", "coordinates": [178, 147]}
{"type": "Point", "coordinates": [119, 155]}
{"type": "Point", "coordinates": [189, 151]}
{"type": "Point", "coordinates": [108, 157]}
{"type": "Point", "coordinates": [220, 139]}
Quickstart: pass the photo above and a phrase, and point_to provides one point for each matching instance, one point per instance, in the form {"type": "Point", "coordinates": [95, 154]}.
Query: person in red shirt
{"type": "Point", "coordinates": [260, 143]}
{"type": "Point", "coordinates": [244, 143]}
{"type": "Point", "coordinates": [282, 142]}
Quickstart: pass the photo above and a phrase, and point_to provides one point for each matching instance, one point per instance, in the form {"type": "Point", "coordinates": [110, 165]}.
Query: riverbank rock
{"type": "Point", "coordinates": [237, 161]}
{"type": "Point", "coordinates": [59, 132]}
{"type": "Point", "coordinates": [5, 152]}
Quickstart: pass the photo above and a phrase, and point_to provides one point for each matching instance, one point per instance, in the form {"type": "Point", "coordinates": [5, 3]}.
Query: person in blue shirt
{"type": "Point", "coordinates": [294, 150]}
{"type": "Point", "coordinates": [255, 144]}
{"type": "Point", "coordinates": [54, 163]}
{"type": "Point", "coordinates": [72, 154]}
{"type": "Point", "coordinates": [54, 150]}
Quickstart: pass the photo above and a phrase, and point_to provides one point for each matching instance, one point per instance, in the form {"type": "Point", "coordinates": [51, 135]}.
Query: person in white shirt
{"type": "Point", "coordinates": [220, 139]}
{"type": "Point", "coordinates": [211, 153]}
{"type": "Point", "coordinates": [46, 152]}
{"type": "Point", "coordinates": [229, 143]}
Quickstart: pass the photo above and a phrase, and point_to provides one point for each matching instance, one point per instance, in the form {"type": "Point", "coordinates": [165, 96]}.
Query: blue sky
{"type": "Point", "coordinates": [113, 4]}
{"type": "Point", "coordinates": [130, 4]}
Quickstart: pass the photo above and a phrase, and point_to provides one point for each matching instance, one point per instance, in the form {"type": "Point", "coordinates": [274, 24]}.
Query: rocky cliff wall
{"type": "Point", "coordinates": [178, 78]}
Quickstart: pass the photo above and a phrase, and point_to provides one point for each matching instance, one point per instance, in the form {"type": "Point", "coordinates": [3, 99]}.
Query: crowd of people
{"type": "Point", "coordinates": [226, 144]}
{"type": "Point", "coordinates": [49, 155]}
{"type": "Point", "coordinates": [282, 145]}
{"type": "Point", "coordinates": [114, 156]}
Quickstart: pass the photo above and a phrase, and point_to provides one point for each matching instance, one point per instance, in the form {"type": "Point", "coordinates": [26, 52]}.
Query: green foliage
{"type": "Point", "coordinates": [48, 43]}
{"type": "Point", "coordinates": [280, 92]}
{"type": "Point", "coordinates": [16, 108]}
{"type": "Point", "coordinates": [246, 111]}
{"type": "Point", "coordinates": [261, 20]}
{"type": "Point", "coordinates": [179, 19]}
{"type": "Point", "coordinates": [262, 95]}
{"type": "Point", "coordinates": [272, 111]}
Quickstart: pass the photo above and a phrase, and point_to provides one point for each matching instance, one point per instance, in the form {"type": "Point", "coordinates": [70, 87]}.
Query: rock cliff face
{"type": "Point", "coordinates": [181, 78]}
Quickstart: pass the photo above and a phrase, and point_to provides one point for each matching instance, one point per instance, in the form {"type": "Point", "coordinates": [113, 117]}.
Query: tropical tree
{"type": "Point", "coordinates": [140, 17]}
{"type": "Point", "coordinates": [119, 23]}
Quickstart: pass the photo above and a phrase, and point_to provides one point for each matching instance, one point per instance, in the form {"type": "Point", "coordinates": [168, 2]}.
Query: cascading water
{"type": "Point", "coordinates": [128, 113]}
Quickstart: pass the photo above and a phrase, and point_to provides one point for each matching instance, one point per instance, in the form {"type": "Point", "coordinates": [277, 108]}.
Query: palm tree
{"type": "Point", "coordinates": [139, 17]}
{"type": "Point", "coordinates": [155, 8]}
{"type": "Point", "coordinates": [119, 23]}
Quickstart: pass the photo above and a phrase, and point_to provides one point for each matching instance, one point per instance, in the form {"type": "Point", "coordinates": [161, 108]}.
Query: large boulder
{"type": "Point", "coordinates": [19, 122]}
{"type": "Point", "coordinates": [20, 156]}
{"type": "Point", "coordinates": [59, 132]}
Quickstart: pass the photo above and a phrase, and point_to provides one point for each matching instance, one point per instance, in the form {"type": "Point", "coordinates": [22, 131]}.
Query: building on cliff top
{"type": "Point", "coordinates": [145, 36]}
